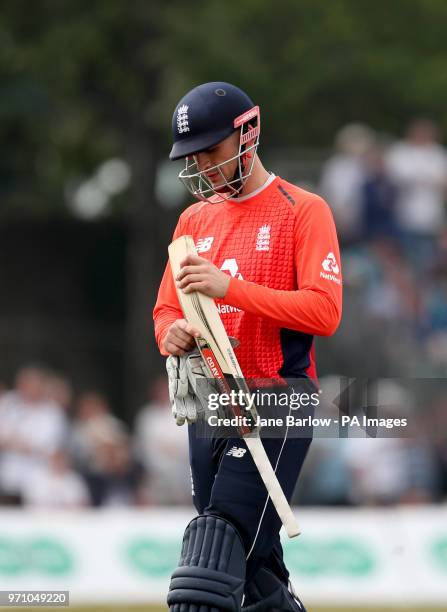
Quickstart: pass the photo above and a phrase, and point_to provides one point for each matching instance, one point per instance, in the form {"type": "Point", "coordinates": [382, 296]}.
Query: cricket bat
{"type": "Point", "coordinates": [215, 347]}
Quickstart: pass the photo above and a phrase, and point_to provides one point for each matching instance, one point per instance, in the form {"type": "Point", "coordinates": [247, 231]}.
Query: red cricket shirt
{"type": "Point", "coordinates": [280, 247]}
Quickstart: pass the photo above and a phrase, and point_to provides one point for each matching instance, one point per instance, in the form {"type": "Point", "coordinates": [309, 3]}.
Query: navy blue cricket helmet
{"type": "Point", "coordinates": [205, 116]}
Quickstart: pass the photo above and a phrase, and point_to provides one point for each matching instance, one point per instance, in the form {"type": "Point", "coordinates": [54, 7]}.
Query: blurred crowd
{"type": "Point", "coordinates": [389, 202]}
{"type": "Point", "coordinates": [61, 451]}
{"type": "Point", "coordinates": [362, 466]}
{"type": "Point", "coordinates": [58, 449]}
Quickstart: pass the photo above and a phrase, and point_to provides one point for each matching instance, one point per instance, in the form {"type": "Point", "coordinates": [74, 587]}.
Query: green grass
{"type": "Point", "coordinates": [148, 608]}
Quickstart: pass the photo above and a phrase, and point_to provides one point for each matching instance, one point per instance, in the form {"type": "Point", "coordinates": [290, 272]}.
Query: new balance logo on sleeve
{"type": "Point", "coordinates": [236, 452]}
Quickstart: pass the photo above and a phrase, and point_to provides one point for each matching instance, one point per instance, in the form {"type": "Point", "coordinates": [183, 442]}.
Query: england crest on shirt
{"type": "Point", "coordinates": [263, 239]}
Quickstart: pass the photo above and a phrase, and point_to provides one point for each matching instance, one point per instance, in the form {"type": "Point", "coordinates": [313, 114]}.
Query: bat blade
{"type": "Point", "coordinates": [215, 347]}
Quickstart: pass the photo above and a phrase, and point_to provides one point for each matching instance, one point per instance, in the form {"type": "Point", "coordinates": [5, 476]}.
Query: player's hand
{"type": "Point", "coordinates": [199, 274]}
{"type": "Point", "coordinates": [180, 338]}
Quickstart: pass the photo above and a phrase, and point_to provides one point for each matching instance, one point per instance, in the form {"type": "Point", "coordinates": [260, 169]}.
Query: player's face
{"type": "Point", "coordinates": [219, 154]}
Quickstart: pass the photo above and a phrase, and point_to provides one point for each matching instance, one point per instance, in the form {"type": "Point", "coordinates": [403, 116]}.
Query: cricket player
{"type": "Point", "coordinates": [268, 253]}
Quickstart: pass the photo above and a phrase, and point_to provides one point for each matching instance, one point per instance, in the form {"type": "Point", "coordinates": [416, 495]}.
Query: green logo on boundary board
{"type": "Point", "coordinates": [153, 557]}
{"type": "Point", "coordinates": [157, 558]}
{"type": "Point", "coordinates": [44, 556]}
{"type": "Point", "coordinates": [336, 557]}
{"type": "Point", "coordinates": [439, 551]}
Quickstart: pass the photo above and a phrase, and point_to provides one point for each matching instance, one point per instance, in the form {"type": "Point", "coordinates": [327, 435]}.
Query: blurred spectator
{"type": "Point", "coordinates": [326, 474]}
{"type": "Point", "coordinates": [56, 487]}
{"type": "Point", "coordinates": [386, 471]}
{"type": "Point", "coordinates": [423, 477]}
{"type": "Point", "coordinates": [418, 166]}
{"type": "Point", "coordinates": [393, 293]}
{"type": "Point", "coordinates": [59, 390]}
{"type": "Point", "coordinates": [33, 427]}
{"type": "Point", "coordinates": [343, 176]}
{"type": "Point", "coordinates": [92, 426]}
{"type": "Point", "coordinates": [378, 195]}
{"type": "Point", "coordinates": [94, 431]}
{"type": "Point", "coordinates": [438, 265]}
{"type": "Point", "coordinates": [377, 470]}
{"type": "Point", "coordinates": [391, 470]}
{"type": "Point", "coordinates": [435, 298]}
{"type": "Point", "coordinates": [162, 446]}
{"type": "Point", "coordinates": [120, 481]}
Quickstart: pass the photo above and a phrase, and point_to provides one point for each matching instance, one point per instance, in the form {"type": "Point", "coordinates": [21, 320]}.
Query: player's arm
{"type": "Point", "coordinates": [316, 307]}
{"type": "Point", "coordinates": [173, 334]}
